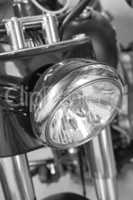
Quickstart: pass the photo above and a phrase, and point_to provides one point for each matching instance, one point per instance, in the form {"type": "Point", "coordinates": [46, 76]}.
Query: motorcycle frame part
{"type": "Point", "coordinates": [102, 165]}
{"type": "Point", "coordinates": [15, 28]}
{"type": "Point", "coordinates": [16, 179]}
{"type": "Point", "coordinates": [103, 38]}
{"type": "Point", "coordinates": [44, 49]}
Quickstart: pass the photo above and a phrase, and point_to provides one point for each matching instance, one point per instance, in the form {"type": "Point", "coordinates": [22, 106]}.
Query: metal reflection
{"type": "Point", "coordinates": [101, 158]}
{"type": "Point", "coordinates": [15, 178]}
{"type": "Point", "coordinates": [44, 49]}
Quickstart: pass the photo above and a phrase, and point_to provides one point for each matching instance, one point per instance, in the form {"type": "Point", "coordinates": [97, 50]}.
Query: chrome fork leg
{"type": "Point", "coordinates": [15, 178]}
{"type": "Point", "coordinates": [102, 164]}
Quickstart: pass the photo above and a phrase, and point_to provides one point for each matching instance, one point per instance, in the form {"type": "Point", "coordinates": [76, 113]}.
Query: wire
{"type": "Point", "coordinates": [44, 10]}
{"type": "Point", "coordinates": [74, 13]}
{"type": "Point", "coordinates": [122, 131]}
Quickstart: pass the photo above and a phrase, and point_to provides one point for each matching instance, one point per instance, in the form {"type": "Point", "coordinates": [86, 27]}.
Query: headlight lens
{"type": "Point", "coordinates": [77, 100]}
{"type": "Point", "coordinates": [81, 115]}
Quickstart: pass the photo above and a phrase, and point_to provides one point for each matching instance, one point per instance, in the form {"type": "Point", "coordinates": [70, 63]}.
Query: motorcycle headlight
{"type": "Point", "coordinates": [73, 101]}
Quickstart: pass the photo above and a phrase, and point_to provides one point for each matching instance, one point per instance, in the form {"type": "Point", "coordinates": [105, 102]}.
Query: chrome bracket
{"type": "Point", "coordinates": [21, 46]}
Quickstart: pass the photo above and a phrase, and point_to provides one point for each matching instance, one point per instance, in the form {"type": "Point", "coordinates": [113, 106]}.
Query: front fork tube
{"type": "Point", "coordinates": [15, 178]}
{"type": "Point", "coordinates": [17, 184]}
{"type": "Point", "coordinates": [102, 163]}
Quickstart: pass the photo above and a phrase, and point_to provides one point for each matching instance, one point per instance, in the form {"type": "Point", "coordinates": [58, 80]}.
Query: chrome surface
{"type": "Point", "coordinates": [102, 163]}
{"type": "Point", "coordinates": [15, 178]}
{"type": "Point", "coordinates": [23, 8]}
{"type": "Point", "coordinates": [17, 28]}
{"type": "Point", "coordinates": [43, 49]}
{"type": "Point", "coordinates": [15, 33]}
{"type": "Point", "coordinates": [51, 29]}
{"type": "Point", "coordinates": [61, 80]}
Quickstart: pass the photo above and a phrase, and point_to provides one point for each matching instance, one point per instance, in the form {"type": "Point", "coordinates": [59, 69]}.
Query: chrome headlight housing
{"type": "Point", "coordinates": [73, 101]}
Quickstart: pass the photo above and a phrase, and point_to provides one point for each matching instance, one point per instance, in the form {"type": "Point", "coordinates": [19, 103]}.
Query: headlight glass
{"type": "Point", "coordinates": [75, 100]}
{"type": "Point", "coordinates": [83, 113]}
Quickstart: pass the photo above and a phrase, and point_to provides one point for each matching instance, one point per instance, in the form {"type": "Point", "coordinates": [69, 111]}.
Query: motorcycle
{"type": "Point", "coordinates": [67, 102]}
